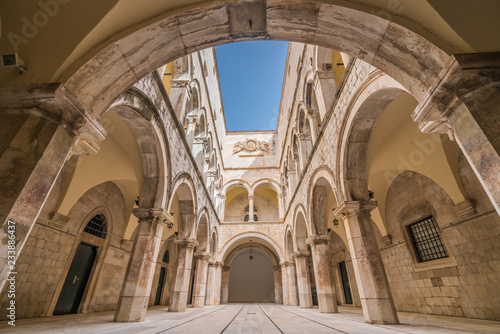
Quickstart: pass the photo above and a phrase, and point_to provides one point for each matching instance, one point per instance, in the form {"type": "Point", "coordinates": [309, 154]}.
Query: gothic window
{"type": "Point", "coordinates": [426, 240]}
{"type": "Point", "coordinates": [97, 226]}
{"type": "Point", "coordinates": [166, 257]}
{"type": "Point", "coordinates": [247, 216]}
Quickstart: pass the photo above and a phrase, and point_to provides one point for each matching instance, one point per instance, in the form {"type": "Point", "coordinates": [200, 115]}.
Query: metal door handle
{"type": "Point", "coordinates": [75, 279]}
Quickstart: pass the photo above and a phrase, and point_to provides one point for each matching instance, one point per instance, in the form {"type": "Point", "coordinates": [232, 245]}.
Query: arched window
{"type": "Point", "coordinates": [166, 257]}
{"type": "Point", "coordinates": [97, 226]}
{"type": "Point", "coordinates": [247, 216]}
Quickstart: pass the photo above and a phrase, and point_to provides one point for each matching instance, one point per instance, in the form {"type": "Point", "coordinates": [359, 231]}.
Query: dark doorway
{"type": "Point", "coordinates": [159, 290]}
{"type": "Point", "coordinates": [345, 283]}
{"type": "Point", "coordinates": [76, 280]}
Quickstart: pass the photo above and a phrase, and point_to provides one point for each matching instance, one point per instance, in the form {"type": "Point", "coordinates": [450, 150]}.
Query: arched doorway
{"type": "Point", "coordinates": [251, 278]}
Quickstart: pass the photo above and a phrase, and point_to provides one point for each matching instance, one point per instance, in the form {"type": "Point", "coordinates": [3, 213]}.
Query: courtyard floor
{"type": "Point", "coordinates": [248, 318]}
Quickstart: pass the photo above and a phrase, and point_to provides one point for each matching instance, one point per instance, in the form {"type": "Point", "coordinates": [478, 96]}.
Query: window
{"type": "Point", "coordinates": [426, 240]}
{"type": "Point", "coordinates": [247, 216]}
{"type": "Point", "coordinates": [166, 257]}
{"type": "Point", "coordinates": [97, 226]}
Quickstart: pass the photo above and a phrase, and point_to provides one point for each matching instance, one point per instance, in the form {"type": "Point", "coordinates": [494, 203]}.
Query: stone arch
{"type": "Point", "coordinates": [301, 229]}
{"type": "Point", "coordinates": [202, 231]}
{"type": "Point", "coordinates": [266, 181]}
{"type": "Point", "coordinates": [376, 40]}
{"type": "Point", "coordinates": [371, 100]}
{"type": "Point", "coordinates": [237, 182]}
{"type": "Point", "coordinates": [320, 183]}
{"type": "Point", "coordinates": [214, 242]}
{"type": "Point", "coordinates": [184, 189]}
{"type": "Point", "coordinates": [258, 237]}
{"type": "Point", "coordinates": [141, 117]}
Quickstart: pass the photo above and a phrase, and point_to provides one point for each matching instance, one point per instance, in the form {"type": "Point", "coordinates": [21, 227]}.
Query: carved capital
{"type": "Point", "coordinates": [160, 215]}
{"type": "Point", "coordinates": [352, 208]}
{"type": "Point", "coordinates": [300, 254]}
{"type": "Point", "coordinates": [318, 239]}
{"type": "Point", "coordinates": [192, 119]}
{"type": "Point", "coordinates": [187, 243]}
{"type": "Point", "coordinates": [216, 264]}
{"type": "Point", "coordinates": [202, 255]}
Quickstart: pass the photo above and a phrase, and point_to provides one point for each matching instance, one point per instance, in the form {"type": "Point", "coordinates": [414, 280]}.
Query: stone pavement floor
{"type": "Point", "coordinates": [249, 318]}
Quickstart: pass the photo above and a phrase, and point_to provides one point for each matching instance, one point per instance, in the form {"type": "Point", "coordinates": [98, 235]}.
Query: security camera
{"type": "Point", "coordinates": [12, 60]}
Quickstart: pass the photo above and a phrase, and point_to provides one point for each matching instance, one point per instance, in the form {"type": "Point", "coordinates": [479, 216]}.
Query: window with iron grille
{"type": "Point", "coordinates": [426, 240]}
{"type": "Point", "coordinates": [166, 257]}
{"type": "Point", "coordinates": [97, 226]}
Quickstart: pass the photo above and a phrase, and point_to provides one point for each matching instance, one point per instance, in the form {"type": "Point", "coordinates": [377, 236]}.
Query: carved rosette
{"type": "Point", "coordinates": [251, 145]}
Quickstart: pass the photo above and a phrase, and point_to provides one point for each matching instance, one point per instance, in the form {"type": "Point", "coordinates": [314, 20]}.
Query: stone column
{"type": "Point", "coordinates": [293, 292]}
{"type": "Point", "coordinates": [284, 284]}
{"type": "Point", "coordinates": [375, 293]}
{"type": "Point", "coordinates": [198, 151]}
{"type": "Point", "coordinates": [321, 260]}
{"type": "Point", "coordinates": [312, 116]}
{"type": "Point", "coordinates": [250, 208]}
{"type": "Point", "coordinates": [213, 283]}
{"type": "Point", "coordinates": [281, 207]}
{"type": "Point", "coordinates": [211, 175]}
{"type": "Point", "coordinates": [34, 151]}
{"type": "Point", "coordinates": [222, 207]}
{"type": "Point", "coordinates": [278, 287]}
{"type": "Point", "coordinates": [200, 278]}
{"type": "Point", "coordinates": [184, 264]}
{"type": "Point", "coordinates": [464, 103]}
{"type": "Point", "coordinates": [192, 121]}
{"type": "Point", "coordinates": [178, 94]}
{"type": "Point", "coordinates": [225, 285]}
{"type": "Point", "coordinates": [134, 296]}
{"type": "Point", "coordinates": [303, 281]}
{"type": "Point", "coordinates": [303, 150]}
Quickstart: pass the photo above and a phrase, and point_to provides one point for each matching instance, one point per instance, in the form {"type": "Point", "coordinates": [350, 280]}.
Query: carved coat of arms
{"type": "Point", "coordinates": [250, 145]}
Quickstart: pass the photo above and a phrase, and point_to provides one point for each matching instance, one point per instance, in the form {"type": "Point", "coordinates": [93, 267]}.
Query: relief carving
{"type": "Point", "coordinates": [251, 145]}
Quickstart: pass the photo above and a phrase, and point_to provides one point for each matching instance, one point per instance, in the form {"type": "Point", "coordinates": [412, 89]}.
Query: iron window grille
{"type": "Point", "coordinates": [426, 240]}
{"type": "Point", "coordinates": [97, 226]}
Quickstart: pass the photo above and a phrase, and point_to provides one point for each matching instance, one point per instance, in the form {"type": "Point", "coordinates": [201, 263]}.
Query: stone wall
{"type": "Point", "coordinates": [48, 253]}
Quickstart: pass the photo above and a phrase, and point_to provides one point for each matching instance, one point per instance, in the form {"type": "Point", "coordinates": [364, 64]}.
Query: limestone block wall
{"type": "Point", "coordinates": [44, 262]}
{"type": "Point", "coordinates": [249, 157]}
{"type": "Point", "coordinates": [275, 231]}
{"type": "Point", "coordinates": [467, 284]}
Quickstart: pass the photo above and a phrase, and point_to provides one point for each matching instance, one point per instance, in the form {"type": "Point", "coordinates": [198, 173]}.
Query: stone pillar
{"type": "Point", "coordinates": [180, 292]}
{"type": "Point", "coordinates": [250, 208]}
{"type": "Point", "coordinates": [225, 285]}
{"type": "Point", "coordinates": [192, 121]}
{"type": "Point", "coordinates": [465, 103]}
{"type": "Point", "coordinates": [375, 293]}
{"type": "Point", "coordinates": [200, 278]}
{"type": "Point", "coordinates": [278, 287]}
{"type": "Point", "coordinates": [178, 94]}
{"type": "Point", "coordinates": [312, 116]}
{"type": "Point", "coordinates": [214, 283]}
{"type": "Point", "coordinates": [303, 150]}
{"type": "Point", "coordinates": [321, 260]}
{"type": "Point", "coordinates": [34, 151]}
{"type": "Point", "coordinates": [198, 151]}
{"type": "Point", "coordinates": [303, 281]}
{"type": "Point", "coordinates": [285, 284]}
{"type": "Point", "coordinates": [211, 175]}
{"type": "Point", "coordinates": [222, 207]}
{"type": "Point", "coordinates": [293, 292]}
{"type": "Point", "coordinates": [134, 296]}
{"type": "Point", "coordinates": [281, 206]}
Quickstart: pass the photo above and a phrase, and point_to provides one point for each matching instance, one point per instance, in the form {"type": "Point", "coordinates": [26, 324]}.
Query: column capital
{"type": "Point", "coordinates": [179, 83]}
{"type": "Point", "coordinates": [216, 264]}
{"type": "Point", "coordinates": [286, 263]}
{"type": "Point", "coordinates": [192, 119]}
{"type": "Point", "coordinates": [225, 268]}
{"type": "Point", "coordinates": [161, 215]}
{"type": "Point", "coordinates": [187, 243]}
{"type": "Point", "coordinates": [202, 255]}
{"type": "Point", "coordinates": [251, 196]}
{"type": "Point", "coordinates": [350, 208]}
{"type": "Point", "coordinates": [318, 239]}
{"type": "Point", "coordinates": [300, 254]}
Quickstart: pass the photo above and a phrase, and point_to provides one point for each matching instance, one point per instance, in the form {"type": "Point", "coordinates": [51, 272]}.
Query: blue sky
{"type": "Point", "coordinates": [251, 79]}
